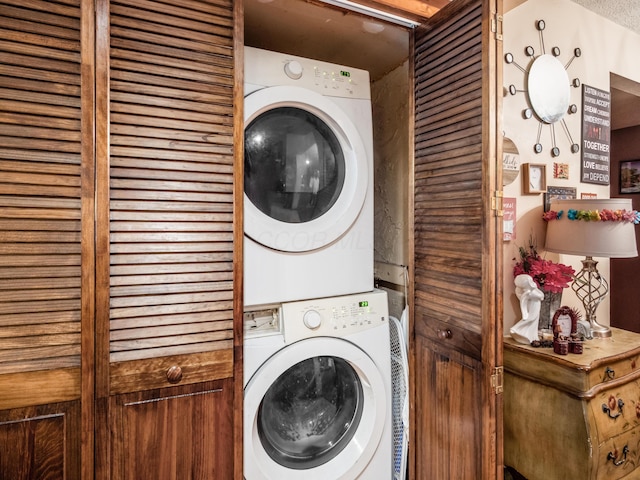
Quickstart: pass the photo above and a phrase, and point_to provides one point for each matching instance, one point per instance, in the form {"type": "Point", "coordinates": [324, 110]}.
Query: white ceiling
{"type": "Point", "coordinates": [622, 12]}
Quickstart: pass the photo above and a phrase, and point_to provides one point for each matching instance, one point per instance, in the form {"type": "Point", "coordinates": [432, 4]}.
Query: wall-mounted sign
{"type": "Point", "coordinates": [509, 219]}
{"type": "Point", "coordinates": [510, 161]}
{"type": "Point", "coordinates": [596, 135]}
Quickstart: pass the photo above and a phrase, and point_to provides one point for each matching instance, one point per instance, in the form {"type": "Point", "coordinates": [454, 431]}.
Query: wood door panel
{"type": "Point", "coordinates": [451, 384]}
{"type": "Point", "coordinates": [459, 336]}
{"type": "Point", "coordinates": [174, 434]}
{"type": "Point", "coordinates": [39, 443]}
{"type": "Point", "coordinates": [170, 186]}
{"type": "Point", "coordinates": [40, 191]}
{"type": "Point", "coordinates": [167, 240]}
{"type": "Point", "coordinates": [456, 299]}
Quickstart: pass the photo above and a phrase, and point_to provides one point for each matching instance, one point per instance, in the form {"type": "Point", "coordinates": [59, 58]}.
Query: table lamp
{"type": "Point", "coordinates": [593, 228]}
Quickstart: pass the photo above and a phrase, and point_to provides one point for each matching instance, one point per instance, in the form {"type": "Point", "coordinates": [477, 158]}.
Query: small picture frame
{"type": "Point", "coordinates": [630, 176]}
{"type": "Point", "coordinates": [558, 193]}
{"type": "Point", "coordinates": [564, 323]}
{"type": "Point", "coordinates": [534, 178]}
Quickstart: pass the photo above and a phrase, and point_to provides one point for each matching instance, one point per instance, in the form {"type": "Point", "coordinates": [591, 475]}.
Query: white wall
{"type": "Point", "coordinates": [390, 99]}
{"type": "Point", "coordinates": [606, 47]}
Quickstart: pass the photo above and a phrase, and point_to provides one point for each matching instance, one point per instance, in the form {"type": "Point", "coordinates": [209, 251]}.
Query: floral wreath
{"type": "Point", "coordinates": [604, 215]}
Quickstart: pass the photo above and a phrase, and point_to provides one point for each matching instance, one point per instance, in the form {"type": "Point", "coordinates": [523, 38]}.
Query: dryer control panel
{"type": "Point", "coordinates": [334, 316]}
{"type": "Point", "coordinates": [268, 69]}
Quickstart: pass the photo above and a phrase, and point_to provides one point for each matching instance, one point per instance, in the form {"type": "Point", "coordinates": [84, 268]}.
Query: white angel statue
{"type": "Point", "coordinates": [526, 330]}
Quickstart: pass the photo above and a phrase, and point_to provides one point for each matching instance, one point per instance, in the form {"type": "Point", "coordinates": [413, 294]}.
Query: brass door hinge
{"type": "Point", "coordinates": [496, 26]}
{"type": "Point", "coordinates": [496, 203]}
{"type": "Point", "coordinates": [497, 380]}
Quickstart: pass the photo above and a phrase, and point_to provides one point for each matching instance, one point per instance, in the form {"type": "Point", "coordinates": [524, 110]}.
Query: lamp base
{"type": "Point", "coordinates": [591, 288]}
{"type": "Point", "coordinates": [599, 331]}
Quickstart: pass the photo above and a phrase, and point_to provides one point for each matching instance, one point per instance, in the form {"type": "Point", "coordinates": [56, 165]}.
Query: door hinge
{"type": "Point", "coordinates": [496, 25]}
{"type": "Point", "coordinates": [497, 380]}
{"type": "Point", "coordinates": [496, 203]}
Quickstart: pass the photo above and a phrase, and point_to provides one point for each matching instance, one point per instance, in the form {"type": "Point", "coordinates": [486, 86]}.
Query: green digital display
{"type": "Point", "coordinates": [363, 304]}
{"type": "Point", "coordinates": [345, 74]}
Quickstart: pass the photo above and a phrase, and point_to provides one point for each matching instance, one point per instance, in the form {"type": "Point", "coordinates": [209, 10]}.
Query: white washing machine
{"type": "Point", "coordinates": [317, 390]}
{"type": "Point", "coordinates": [308, 179]}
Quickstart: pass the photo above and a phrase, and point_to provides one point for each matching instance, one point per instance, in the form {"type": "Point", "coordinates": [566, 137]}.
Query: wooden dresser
{"type": "Point", "coordinates": [573, 417]}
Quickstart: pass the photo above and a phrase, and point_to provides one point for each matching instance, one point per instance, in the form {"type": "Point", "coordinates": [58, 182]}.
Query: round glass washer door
{"type": "Point", "coordinates": [314, 410]}
{"type": "Point", "coordinates": [305, 169]}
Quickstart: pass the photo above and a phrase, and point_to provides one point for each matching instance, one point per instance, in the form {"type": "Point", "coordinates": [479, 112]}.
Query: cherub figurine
{"type": "Point", "coordinates": [526, 330]}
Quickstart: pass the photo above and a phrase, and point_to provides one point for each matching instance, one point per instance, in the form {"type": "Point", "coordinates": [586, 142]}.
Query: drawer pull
{"type": "Point", "coordinates": [612, 456]}
{"type": "Point", "coordinates": [611, 407]}
{"type": "Point", "coordinates": [444, 334]}
{"type": "Point", "coordinates": [609, 373]}
{"type": "Point", "coordinates": [174, 374]}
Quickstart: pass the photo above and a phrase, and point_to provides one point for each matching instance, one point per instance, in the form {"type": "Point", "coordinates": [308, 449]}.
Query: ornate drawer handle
{"type": "Point", "coordinates": [609, 373]}
{"type": "Point", "coordinates": [606, 409]}
{"type": "Point", "coordinates": [612, 457]}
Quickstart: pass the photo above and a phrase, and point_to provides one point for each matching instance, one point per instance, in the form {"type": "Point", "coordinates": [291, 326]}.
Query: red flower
{"type": "Point", "coordinates": [549, 276]}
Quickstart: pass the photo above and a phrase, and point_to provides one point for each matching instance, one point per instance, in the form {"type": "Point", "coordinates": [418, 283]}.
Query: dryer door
{"type": "Point", "coordinates": [305, 169]}
{"type": "Point", "coordinates": [314, 410]}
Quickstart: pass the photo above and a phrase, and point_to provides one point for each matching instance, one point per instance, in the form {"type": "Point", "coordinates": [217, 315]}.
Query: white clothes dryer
{"type": "Point", "coordinates": [308, 179]}
{"type": "Point", "coordinates": [317, 394]}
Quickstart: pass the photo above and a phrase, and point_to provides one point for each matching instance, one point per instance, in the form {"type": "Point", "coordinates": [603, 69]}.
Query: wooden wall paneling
{"type": "Point", "coordinates": [456, 298]}
{"type": "Point", "coordinates": [46, 158]}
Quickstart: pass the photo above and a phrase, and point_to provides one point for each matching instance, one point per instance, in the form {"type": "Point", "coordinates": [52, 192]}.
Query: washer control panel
{"type": "Point", "coordinates": [334, 316]}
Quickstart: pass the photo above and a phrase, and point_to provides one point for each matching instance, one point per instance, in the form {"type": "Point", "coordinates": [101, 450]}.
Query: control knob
{"type": "Point", "coordinates": [311, 319]}
{"type": "Point", "coordinates": [293, 69]}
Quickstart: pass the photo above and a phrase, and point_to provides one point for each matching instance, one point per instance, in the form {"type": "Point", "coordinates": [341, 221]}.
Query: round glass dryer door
{"type": "Point", "coordinates": [315, 410]}
{"type": "Point", "coordinates": [305, 169]}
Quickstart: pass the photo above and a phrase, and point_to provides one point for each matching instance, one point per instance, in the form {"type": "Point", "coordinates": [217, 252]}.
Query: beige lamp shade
{"type": "Point", "coordinates": [591, 238]}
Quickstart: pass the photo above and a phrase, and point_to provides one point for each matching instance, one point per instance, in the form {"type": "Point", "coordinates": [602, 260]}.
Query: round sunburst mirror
{"type": "Point", "coordinates": [547, 91]}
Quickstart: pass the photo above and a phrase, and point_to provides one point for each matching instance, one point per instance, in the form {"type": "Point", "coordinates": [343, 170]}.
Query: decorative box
{"type": "Point", "coordinates": [561, 346]}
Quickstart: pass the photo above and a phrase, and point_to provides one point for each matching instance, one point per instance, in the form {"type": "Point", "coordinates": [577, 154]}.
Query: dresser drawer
{"type": "Point", "coordinates": [618, 457]}
{"type": "Point", "coordinates": [616, 410]}
{"type": "Point", "coordinates": [613, 369]}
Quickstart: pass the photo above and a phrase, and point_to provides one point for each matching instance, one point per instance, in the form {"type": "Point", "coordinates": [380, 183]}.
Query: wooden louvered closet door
{"type": "Point", "coordinates": [46, 237]}
{"type": "Point", "coordinates": [457, 301]}
{"type": "Point", "coordinates": [165, 264]}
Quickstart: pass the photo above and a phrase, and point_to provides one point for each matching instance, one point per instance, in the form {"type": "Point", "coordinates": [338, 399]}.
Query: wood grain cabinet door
{"type": "Point", "coordinates": [166, 255]}
{"type": "Point", "coordinates": [457, 302]}
{"type": "Point", "coordinates": [46, 235]}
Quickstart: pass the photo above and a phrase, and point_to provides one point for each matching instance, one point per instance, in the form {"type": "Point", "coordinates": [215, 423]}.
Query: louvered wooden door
{"type": "Point", "coordinates": [118, 239]}
{"type": "Point", "coordinates": [165, 264]}
{"type": "Point", "coordinates": [457, 306]}
{"type": "Point", "coordinates": [46, 236]}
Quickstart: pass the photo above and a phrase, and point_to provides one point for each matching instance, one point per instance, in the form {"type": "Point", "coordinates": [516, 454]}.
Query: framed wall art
{"type": "Point", "coordinates": [534, 178]}
{"type": "Point", "coordinates": [558, 193]}
{"type": "Point", "coordinates": [630, 176]}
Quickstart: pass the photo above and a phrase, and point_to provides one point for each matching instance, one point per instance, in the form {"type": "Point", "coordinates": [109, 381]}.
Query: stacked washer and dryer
{"type": "Point", "coordinates": [317, 371]}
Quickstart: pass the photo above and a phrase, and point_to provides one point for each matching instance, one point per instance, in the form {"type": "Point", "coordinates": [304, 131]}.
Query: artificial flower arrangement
{"type": "Point", "coordinates": [549, 276]}
{"type": "Point", "coordinates": [604, 215]}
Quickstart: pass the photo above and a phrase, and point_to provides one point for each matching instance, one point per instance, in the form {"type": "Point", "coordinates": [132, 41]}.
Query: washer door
{"type": "Point", "coordinates": [315, 410]}
{"type": "Point", "coordinates": [305, 169]}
